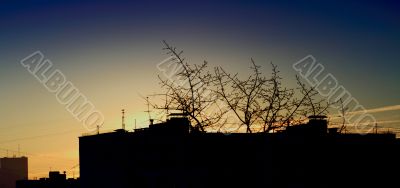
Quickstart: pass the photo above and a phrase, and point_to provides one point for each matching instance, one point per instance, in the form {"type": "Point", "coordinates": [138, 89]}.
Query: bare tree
{"type": "Point", "coordinates": [241, 96]}
{"type": "Point", "coordinates": [258, 103]}
{"type": "Point", "coordinates": [314, 104]}
{"type": "Point", "coordinates": [188, 90]}
{"type": "Point", "coordinates": [265, 104]}
{"type": "Point", "coordinates": [278, 103]}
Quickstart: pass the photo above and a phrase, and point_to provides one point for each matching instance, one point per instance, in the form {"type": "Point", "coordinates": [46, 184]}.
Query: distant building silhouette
{"type": "Point", "coordinates": [11, 170]}
{"type": "Point", "coordinates": [55, 180]}
{"type": "Point", "coordinates": [170, 155]}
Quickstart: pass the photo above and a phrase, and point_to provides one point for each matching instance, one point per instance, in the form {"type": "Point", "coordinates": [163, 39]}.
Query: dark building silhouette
{"type": "Point", "coordinates": [11, 170]}
{"type": "Point", "coordinates": [170, 155]}
{"type": "Point", "coordinates": [55, 180]}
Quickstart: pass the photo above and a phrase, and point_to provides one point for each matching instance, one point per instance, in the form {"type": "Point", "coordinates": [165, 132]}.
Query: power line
{"type": "Point", "coordinates": [37, 155]}
{"type": "Point", "coordinates": [38, 136]}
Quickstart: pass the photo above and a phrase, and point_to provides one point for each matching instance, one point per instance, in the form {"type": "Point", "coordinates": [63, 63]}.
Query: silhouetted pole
{"type": "Point", "coordinates": [123, 119]}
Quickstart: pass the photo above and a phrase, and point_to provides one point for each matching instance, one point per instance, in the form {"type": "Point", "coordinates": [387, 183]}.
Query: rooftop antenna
{"type": "Point", "coordinates": [343, 114]}
{"type": "Point", "coordinates": [73, 170]}
{"type": "Point", "coordinates": [166, 99]}
{"type": "Point", "coordinates": [98, 128]}
{"type": "Point", "coordinates": [376, 128]}
{"type": "Point", "coordinates": [148, 110]}
{"type": "Point", "coordinates": [123, 119]}
{"type": "Point", "coordinates": [135, 124]}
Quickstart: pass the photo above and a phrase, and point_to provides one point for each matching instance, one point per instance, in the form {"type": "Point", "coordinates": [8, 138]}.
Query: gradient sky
{"type": "Point", "coordinates": [110, 49]}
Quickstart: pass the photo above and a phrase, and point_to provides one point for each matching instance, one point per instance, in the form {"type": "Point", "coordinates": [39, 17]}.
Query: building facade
{"type": "Point", "coordinates": [11, 170]}
{"type": "Point", "coordinates": [169, 155]}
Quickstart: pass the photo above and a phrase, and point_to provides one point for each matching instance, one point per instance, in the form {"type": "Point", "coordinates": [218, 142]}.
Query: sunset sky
{"type": "Point", "coordinates": [110, 50]}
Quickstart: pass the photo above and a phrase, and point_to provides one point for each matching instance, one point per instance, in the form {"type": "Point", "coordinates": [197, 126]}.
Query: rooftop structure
{"type": "Point", "coordinates": [170, 155]}
{"type": "Point", "coordinates": [55, 180]}
{"type": "Point", "coordinates": [11, 170]}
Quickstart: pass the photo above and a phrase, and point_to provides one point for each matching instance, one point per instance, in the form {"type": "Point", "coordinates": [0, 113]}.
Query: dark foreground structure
{"type": "Point", "coordinates": [169, 155]}
{"type": "Point", "coordinates": [55, 180]}
{"type": "Point", "coordinates": [11, 170]}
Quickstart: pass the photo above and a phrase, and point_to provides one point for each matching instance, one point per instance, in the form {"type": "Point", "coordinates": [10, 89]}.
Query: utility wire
{"type": "Point", "coordinates": [38, 136]}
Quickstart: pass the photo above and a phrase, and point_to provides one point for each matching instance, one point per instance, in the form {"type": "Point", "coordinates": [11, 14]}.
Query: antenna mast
{"type": "Point", "coordinates": [123, 119]}
{"type": "Point", "coordinates": [148, 110]}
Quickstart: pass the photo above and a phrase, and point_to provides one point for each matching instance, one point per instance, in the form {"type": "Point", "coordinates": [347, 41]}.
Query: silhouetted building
{"type": "Point", "coordinates": [170, 155]}
{"type": "Point", "coordinates": [55, 180]}
{"type": "Point", "coordinates": [11, 170]}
